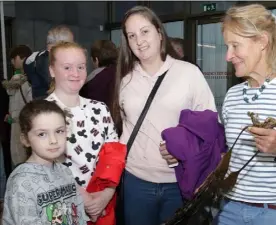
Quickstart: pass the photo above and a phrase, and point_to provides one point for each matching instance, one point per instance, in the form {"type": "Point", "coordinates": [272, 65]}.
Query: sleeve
{"type": "Point", "coordinates": [203, 97]}
{"type": "Point", "coordinates": [79, 199]}
{"type": "Point", "coordinates": [110, 166]}
{"type": "Point", "coordinates": [27, 91]}
{"type": "Point", "coordinates": [28, 66]}
{"type": "Point", "coordinates": [110, 133]}
{"type": "Point", "coordinates": [224, 110]}
{"type": "Point", "coordinates": [20, 204]}
{"type": "Point", "coordinates": [29, 94]}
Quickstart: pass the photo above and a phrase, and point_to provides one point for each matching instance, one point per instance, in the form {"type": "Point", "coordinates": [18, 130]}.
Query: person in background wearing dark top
{"type": "Point", "coordinates": [179, 46]}
{"type": "Point", "coordinates": [37, 65]}
{"type": "Point", "coordinates": [100, 82]}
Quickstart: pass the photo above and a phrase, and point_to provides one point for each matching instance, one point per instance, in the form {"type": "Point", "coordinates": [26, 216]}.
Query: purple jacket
{"type": "Point", "coordinates": [197, 142]}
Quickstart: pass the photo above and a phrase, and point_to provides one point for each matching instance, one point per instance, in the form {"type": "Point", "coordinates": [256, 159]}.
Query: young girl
{"type": "Point", "coordinates": [41, 190]}
{"type": "Point", "coordinates": [90, 125]}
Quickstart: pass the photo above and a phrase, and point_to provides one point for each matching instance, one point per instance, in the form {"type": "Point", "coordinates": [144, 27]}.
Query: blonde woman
{"type": "Point", "coordinates": [250, 35]}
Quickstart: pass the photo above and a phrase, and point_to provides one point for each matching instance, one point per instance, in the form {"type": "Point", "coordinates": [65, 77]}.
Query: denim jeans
{"type": "Point", "coordinates": [147, 203]}
{"type": "Point", "coordinates": [237, 213]}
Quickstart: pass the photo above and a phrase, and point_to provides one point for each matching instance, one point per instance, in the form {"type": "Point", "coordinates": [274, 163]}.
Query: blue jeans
{"type": "Point", "coordinates": [237, 213]}
{"type": "Point", "coordinates": [147, 203]}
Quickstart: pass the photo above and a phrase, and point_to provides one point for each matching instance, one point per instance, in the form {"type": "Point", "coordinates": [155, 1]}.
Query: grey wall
{"type": "Point", "coordinates": [9, 9]}
{"type": "Point", "coordinates": [34, 19]}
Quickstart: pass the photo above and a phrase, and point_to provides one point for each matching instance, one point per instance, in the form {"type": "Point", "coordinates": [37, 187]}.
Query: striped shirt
{"type": "Point", "coordinates": [257, 182]}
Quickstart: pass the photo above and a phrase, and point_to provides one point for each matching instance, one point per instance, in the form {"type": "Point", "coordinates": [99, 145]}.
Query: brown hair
{"type": "Point", "coordinates": [127, 59]}
{"type": "Point", "coordinates": [52, 56]}
{"type": "Point", "coordinates": [105, 51]}
{"type": "Point", "coordinates": [179, 42]}
{"type": "Point", "coordinates": [23, 51]}
{"type": "Point", "coordinates": [251, 21]}
{"type": "Point", "coordinates": [33, 109]}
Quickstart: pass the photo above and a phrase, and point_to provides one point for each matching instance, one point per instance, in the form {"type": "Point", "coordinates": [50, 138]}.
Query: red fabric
{"type": "Point", "coordinates": [107, 174]}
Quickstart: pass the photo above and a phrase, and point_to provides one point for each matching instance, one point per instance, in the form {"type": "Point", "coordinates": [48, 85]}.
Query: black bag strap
{"type": "Point", "coordinates": [144, 112]}
{"type": "Point", "coordinates": [120, 207]}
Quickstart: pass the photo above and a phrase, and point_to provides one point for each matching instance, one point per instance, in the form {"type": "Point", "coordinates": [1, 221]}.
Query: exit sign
{"type": "Point", "coordinates": [210, 7]}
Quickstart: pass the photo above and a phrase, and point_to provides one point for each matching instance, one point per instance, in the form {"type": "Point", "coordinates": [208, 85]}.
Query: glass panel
{"type": "Point", "coordinates": [175, 29]}
{"type": "Point", "coordinates": [273, 11]}
{"type": "Point", "coordinates": [210, 53]}
{"type": "Point", "coordinates": [116, 36]}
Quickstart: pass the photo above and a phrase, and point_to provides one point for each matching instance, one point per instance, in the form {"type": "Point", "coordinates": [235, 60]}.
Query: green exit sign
{"type": "Point", "coordinates": [210, 7]}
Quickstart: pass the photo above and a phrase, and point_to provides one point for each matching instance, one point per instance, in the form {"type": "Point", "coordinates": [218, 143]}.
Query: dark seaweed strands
{"type": "Point", "coordinates": [210, 192]}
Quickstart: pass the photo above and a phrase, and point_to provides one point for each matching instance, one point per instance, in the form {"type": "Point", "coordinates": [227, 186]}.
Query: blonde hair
{"type": "Point", "coordinates": [52, 57]}
{"type": "Point", "coordinates": [250, 22]}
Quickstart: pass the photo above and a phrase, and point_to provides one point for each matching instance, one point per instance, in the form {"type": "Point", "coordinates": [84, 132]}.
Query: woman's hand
{"type": "Point", "coordinates": [99, 201]}
{"type": "Point", "coordinates": [87, 200]}
{"type": "Point", "coordinates": [166, 155]}
{"type": "Point", "coordinates": [265, 139]}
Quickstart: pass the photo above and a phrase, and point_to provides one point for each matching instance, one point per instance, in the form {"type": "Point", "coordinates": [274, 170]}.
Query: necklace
{"type": "Point", "coordinates": [259, 91]}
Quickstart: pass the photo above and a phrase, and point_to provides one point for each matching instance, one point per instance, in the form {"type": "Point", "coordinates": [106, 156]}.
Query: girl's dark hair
{"type": "Point", "coordinates": [126, 58]}
{"type": "Point", "coordinates": [35, 108]}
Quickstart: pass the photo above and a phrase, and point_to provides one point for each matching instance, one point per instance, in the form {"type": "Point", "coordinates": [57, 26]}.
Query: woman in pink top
{"type": "Point", "coordinates": [151, 193]}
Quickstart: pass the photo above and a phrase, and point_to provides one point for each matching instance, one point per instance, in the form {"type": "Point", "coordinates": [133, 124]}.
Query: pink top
{"type": "Point", "coordinates": [184, 87]}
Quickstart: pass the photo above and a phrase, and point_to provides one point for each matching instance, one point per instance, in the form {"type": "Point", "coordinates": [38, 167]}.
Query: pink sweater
{"type": "Point", "coordinates": [184, 87]}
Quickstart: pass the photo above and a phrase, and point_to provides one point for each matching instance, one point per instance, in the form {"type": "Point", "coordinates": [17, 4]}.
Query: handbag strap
{"type": "Point", "coordinates": [144, 112]}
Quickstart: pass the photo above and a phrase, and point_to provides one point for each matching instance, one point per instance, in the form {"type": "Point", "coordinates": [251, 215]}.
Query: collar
{"type": "Point", "coordinates": [63, 106]}
{"type": "Point", "coordinates": [166, 66]}
{"type": "Point", "coordinates": [94, 73]}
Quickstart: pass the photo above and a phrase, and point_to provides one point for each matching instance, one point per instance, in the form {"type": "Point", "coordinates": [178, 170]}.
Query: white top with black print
{"type": "Point", "coordinates": [89, 126]}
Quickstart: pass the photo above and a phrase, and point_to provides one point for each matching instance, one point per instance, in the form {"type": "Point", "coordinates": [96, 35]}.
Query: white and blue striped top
{"type": "Point", "coordinates": [257, 182]}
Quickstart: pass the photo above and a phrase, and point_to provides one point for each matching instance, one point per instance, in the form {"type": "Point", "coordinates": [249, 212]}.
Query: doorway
{"type": "Point", "coordinates": [208, 51]}
{"type": "Point", "coordinates": [210, 57]}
